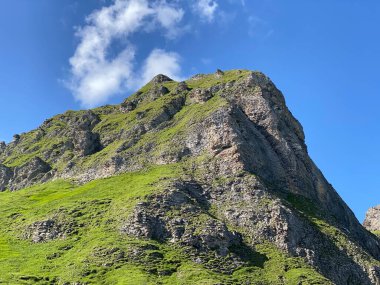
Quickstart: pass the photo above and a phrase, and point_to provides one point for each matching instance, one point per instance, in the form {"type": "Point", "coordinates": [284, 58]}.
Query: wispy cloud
{"type": "Point", "coordinates": [95, 74]}
{"type": "Point", "coordinates": [259, 28]}
{"type": "Point", "coordinates": [206, 9]}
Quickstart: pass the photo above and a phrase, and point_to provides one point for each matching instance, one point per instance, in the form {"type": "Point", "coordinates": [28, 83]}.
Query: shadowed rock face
{"type": "Point", "coordinates": [5, 176]}
{"type": "Point", "coordinates": [34, 171]}
{"type": "Point", "coordinates": [246, 164]}
{"type": "Point", "coordinates": [372, 219]}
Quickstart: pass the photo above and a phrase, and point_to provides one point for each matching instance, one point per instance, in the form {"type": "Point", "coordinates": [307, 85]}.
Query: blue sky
{"type": "Point", "coordinates": [324, 55]}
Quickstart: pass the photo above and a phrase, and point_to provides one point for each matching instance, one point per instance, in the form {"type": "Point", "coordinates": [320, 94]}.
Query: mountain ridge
{"type": "Point", "coordinates": [242, 179]}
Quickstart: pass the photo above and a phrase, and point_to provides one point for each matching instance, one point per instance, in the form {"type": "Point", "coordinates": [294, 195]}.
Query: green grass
{"type": "Point", "coordinates": [101, 220]}
{"type": "Point", "coordinates": [90, 254]}
{"type": "Point", "coordinates": [210, 80]}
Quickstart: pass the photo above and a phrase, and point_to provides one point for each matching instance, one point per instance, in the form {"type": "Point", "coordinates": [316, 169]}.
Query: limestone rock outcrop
{"type": "Point", "coordinates": [5, 176]}
{"type": "Point", "coordinates": [372, 219]}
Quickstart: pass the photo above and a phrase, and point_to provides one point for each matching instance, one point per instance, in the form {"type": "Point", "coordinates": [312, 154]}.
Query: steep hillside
{"type": "Point", "coordinates": [206, 181]}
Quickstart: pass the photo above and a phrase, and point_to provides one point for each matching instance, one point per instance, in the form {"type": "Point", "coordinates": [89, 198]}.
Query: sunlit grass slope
{"type": "Point", "coordinates": [98, 253]}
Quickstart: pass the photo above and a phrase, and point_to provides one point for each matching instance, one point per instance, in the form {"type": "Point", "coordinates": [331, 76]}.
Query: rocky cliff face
{"type": "Point", "coordinates": [372, 219]}
{"type": "Point", "coordinates": [245, 178]}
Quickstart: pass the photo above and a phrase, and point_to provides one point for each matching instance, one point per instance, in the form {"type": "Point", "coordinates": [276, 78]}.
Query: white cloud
{"type": "Point", "coordinates": [106, 79]}
{"type": "Point", "coordinates": [206, 9]}
{"type": "Point", "coordinates": [160, 60]}
{"type": "Point", "coordinates": [95, 75]}
{"type": "Point", "coordinates": [168, 16]}
{"type": "Point", "coordinates": [105, 64]}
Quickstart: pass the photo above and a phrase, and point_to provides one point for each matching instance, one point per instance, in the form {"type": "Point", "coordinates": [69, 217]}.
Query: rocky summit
{"type": "Point", "coordinates": [206, 181]}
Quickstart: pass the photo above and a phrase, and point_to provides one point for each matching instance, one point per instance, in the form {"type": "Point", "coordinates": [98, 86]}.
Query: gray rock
{"type": "Point", "coordinates": [86, 142]}
{"type": "Point", "coordinates": [86, 120]}
{"type": "Point", "coordinates": [197, 76]}
{"type": "Point", "coordinates": [182, 87]}
{"type": "Point", "coordinates": [27, 174]}
{"type": "Point", "coordinates": [160, 78]}
{"type": "Point", "coordinates": [16, 138]}
{"type": "Point", "coordinates": [6, 174]}
{"type": "Point", "coordinates": [156, 92]}
{"type": "Point", "coordinates": [44, 231]}
{"type": "Point", "coordinates": [128, 106]}
{"type": "Point", "coordinates": [48, 230]}
{"type": "Point", "coordinates": [2, 147]}
{"type": "Point", "coordinates": [372, 219]}
{"type": "Point", "coordinates": [219, 73]}
{"type": "Point", "coordinates": [185, 202]}
{"type": "Point", "coordinates": [200, 95]}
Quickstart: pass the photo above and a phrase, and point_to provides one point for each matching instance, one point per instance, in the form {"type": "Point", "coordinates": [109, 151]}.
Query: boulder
{"type": "Point", "coordinates": [372, 219]}
{"type": "Point", "coordinates": [160, 78]}
{"type": "Point", "coordinates": [49, 229]}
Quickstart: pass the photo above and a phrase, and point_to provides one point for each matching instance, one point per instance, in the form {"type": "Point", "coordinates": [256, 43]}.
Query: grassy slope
{"type": "Point", "coordinates": [100, 207]}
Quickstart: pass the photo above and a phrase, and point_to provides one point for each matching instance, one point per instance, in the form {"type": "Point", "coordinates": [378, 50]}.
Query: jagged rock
{"type": "Point", "coordinates": [16, 138]}
{"type": "Point", "coordinates": [34, 170]}
{"type": "Point", "coordinates": [44, 231]}
{"type": "Point", "coordinates": [47, 230]}
{"type": "Point", "coordinates": [160, 78]}
{"type": "Point", "coordinates": [219, 73]}
{"type": "Point", "coordinates": [200, 95]}
{"type": "Point", "coordinates": [182, 87]}
{"type": "Point", "coordinates": [171, 108]}
{"type": "Point", "coordinates": [5, 175]}
{"type": "Point", "coordinates": [86, 121]}
{"type": "Point", "coordinates": [156, 92]}
{"type": "Point", "coordinates": [86, 142]}
{"type": "Point", "coordinates": [149, 221]}
{"type": "Point", "coordinates": [185, 202]}
{"type": "Point", "coordinates": [2, 147]}
{"type": "Point", "coordinates": [275, 221]}
{"type": "Point", "coordinates": [213, 235]}
{"type": "Point", "coordinates": [257, 79]}
{"type": "Point", "coordinates": [78, 136]}
{"type": "Point", "coordinates": [372, 219]}
{"type": "Point", "coordinates": [128, 106]}
{"type": "Point", "coordinates": [198, 76]}
{"type": "Point", "coordinates": [144, 225]}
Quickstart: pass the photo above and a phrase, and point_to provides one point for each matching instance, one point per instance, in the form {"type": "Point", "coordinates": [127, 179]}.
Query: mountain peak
{"type": "Point", "coordinates": [233, 185]}
{"type": "Point", "coordinates": [160, 78]}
